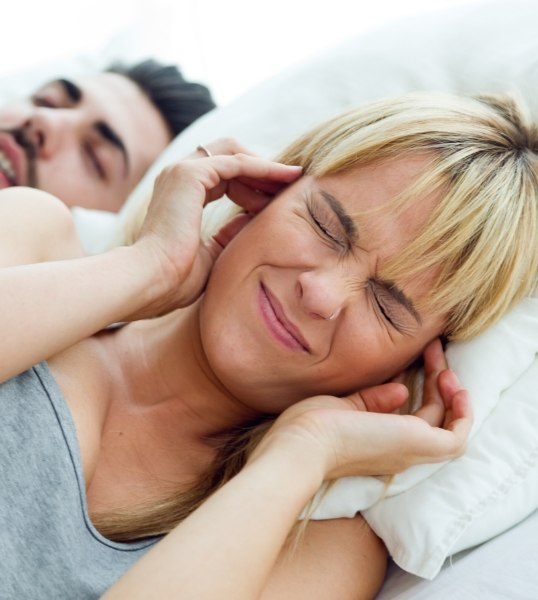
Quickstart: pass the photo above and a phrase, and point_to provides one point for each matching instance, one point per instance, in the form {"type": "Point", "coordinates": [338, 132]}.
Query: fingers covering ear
{"type": "Point", "coordinates": [384, 398]}
{"type": "Point", "coordinates": [227, 233]}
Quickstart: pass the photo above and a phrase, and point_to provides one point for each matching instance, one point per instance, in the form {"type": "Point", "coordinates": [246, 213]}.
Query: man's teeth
{"type": "Point", "coordinates": [7, 166]}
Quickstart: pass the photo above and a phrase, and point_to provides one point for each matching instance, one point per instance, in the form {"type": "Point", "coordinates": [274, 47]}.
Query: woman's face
{"type": "Point", "coordinates": [295, 306]}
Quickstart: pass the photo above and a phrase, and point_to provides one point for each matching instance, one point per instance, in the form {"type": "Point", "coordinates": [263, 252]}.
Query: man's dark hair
{"type": "Point", "coordinates": [180, 102]}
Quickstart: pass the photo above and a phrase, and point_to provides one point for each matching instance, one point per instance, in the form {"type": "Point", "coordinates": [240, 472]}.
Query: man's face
{"type": "Point", "coordinates": [88, 141]}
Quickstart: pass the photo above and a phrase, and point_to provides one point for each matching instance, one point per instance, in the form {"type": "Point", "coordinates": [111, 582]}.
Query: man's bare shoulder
{"type": "Point", "coordinates": [35, 227]}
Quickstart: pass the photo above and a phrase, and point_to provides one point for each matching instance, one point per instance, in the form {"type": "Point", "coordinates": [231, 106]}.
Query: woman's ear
{"type": "Point", "coordinates": [227, 233]}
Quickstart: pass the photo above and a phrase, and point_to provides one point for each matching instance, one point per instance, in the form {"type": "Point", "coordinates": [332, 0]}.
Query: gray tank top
{"type": "Point", "coordinates": [49, 548]}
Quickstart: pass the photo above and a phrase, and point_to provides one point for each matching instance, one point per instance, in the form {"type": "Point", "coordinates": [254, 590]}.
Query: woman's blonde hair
{"type": "Point", "coordinates": [482, 235]}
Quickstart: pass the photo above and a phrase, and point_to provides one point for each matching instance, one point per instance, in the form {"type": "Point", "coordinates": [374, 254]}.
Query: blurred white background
{"type": "Point", "coordinates": [229, 45]}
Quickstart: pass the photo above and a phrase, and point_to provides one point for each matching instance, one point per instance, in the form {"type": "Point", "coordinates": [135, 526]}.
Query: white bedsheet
{"type": "Point", "coordinates": [505, 568]}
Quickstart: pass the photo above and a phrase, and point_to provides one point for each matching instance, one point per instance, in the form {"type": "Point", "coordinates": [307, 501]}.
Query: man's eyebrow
{"type": "Point", "coordinates": [106, 132]}
{"type": "Point", "coordinates": [345, 219]}
{"type": "Point", "coordinates": [400, 297]}
{"type": "Point", "coordinates": [72, 90]}
{"type": "Point", "coordinates": [75, 94]}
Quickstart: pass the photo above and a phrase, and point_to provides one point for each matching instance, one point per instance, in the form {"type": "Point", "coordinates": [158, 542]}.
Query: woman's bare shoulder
{"type": "Point", "coordinates": [35, 227]}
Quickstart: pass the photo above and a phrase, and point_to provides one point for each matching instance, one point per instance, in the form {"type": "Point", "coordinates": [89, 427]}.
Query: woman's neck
{"type": "Point", "coordinates": [162, 362]}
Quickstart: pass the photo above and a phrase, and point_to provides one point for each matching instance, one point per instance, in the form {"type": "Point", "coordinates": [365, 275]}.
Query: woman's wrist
{"type": "Point", "coordinates": [154, 284]}
{"type": "Point", "coordinates": [291, 456]}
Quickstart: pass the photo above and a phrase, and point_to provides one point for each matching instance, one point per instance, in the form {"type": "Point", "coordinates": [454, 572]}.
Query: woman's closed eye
{"type": "Point", "coordinates": [389, 311]}
{"type": "Point", "coordinates": [330, 231]}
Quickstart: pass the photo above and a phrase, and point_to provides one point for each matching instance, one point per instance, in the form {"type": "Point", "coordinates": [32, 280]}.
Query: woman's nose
{"type": "Point", "coordinates": [323, 293]}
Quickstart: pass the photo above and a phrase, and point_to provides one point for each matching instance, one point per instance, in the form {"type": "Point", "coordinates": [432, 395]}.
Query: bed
{"type": "Point", "coordinates": [477, 537]}
{"type": "Point", "coordinates": [502, 568]}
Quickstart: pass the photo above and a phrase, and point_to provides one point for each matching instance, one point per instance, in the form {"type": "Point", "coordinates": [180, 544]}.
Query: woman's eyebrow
{"type": "Point", "coordinates": [345, 219]}
{"type": "Point", "coordinates": [352, 233]}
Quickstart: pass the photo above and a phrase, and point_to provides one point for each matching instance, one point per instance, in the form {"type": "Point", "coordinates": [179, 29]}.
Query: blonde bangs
{"type": "Point", "coordinates": [482, 236]}
{"type": "Point", "coordinates": [478, 239]}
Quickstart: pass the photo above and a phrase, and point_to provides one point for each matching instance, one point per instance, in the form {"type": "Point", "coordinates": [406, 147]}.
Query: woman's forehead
{"type": "Point", "coordinates": [375, 183]}
{"type": "Point", "coordinates": [362, 193]}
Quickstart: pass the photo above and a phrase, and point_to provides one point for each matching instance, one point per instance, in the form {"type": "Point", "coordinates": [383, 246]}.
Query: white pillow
{"type": "Point", "coordinates": [432, 511]}
{"type": "Point", "coordinates": [489, 47]}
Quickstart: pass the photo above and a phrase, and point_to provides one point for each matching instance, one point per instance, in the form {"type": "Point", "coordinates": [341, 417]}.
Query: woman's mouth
{"type": "Point", "coordinates": [277, 323]}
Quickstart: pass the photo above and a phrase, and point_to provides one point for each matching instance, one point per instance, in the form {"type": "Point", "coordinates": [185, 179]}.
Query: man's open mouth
{"type": "Point", "coordinates": [7, 168]}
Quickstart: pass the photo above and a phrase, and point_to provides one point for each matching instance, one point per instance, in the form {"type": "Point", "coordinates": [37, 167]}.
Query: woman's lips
{"type": "Point", "coordinates": [281, 329]}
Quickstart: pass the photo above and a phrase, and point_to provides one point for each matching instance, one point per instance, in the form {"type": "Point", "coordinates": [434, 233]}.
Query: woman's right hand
{"type": "Point", "coordinates": [170, 235]}
{"type": "Point", "coordinates": [344, 437]}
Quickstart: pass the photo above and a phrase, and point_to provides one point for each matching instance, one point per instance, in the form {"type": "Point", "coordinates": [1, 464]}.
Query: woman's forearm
{"type": "Point", "coordinates": [47, 307]}
{"type": "Point", "coordinates": [227, 548]}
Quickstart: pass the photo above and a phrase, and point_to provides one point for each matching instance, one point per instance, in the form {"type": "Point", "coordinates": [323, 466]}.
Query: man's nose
{"type": "Point", "coordinates": [50, 130]}
{"type": "Point", "coordinates": [323, 293]}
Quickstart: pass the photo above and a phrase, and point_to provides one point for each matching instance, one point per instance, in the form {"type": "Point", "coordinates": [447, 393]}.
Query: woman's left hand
{"type": "Point", "coordinates": [348, 436]}
{"type": "Point", "coordinates": [438, 382]}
